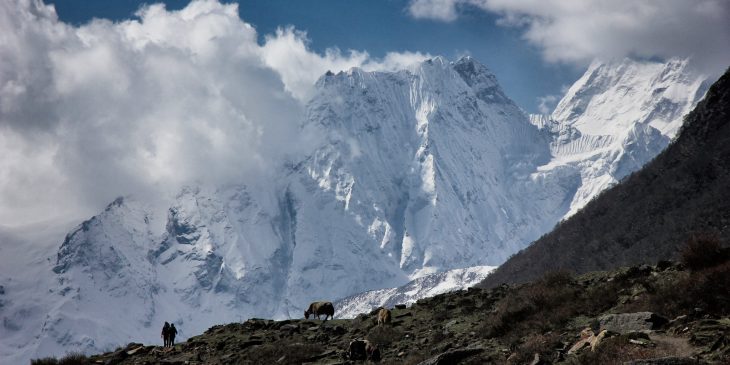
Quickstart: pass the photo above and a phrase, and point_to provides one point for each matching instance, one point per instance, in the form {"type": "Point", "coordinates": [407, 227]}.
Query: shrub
{"type": "Point", "coordinates": [72, 358]}
{"type": "Point", "coordinates": [383, 336]}
{"type": "Point", "coordinates": [702, 251]}
{"type": "Point", "coordinates": [536, 344]}
{"type": "Point", "coordinates": [44, 361]}
{"type": "Point", "coordinates": [708, 289]}
{"type": "Point", "coordinates": [546, 305]}
{"type": "Point", "coordinates": [538, 307]}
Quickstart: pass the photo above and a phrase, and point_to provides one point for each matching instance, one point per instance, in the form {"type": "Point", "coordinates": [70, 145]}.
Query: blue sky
{"type": "Point", "coordinates": [379, 27]}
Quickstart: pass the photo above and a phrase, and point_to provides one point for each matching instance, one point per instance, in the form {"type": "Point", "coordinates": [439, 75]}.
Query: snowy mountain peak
{"type": "Point", "coordinates": [126, 225]}
{"type": "Point", "coordinates": [611, 96]}
{"type": "Point", "coordinates": [437, 71]}
{"type": "Point", "coordinates": [616, 118]}
{"type": "Point", "coordinates": [479, 78]}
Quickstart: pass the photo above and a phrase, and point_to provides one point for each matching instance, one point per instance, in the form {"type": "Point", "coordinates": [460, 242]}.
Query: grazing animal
{"type": "Point", "coordinates": [383, 316]}
{"type": "Point", "coordinates": [319, 308]}
{"type": "Point", "coordinates": [363, 350]}
{"type": "Point", "coordinates": [372, 350]}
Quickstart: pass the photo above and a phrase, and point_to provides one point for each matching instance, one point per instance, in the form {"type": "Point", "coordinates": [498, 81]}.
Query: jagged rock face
{"type": "Point", "coordinates": [422, 170]}
{"type": "Point", "coordinates": [433, 162]}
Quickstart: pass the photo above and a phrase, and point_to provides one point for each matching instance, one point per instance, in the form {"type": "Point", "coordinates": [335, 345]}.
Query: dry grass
{"type": "Point", "coordinates": [703, 251]}
{"type": "Point", "coordinates": [72, 358]}
{"type": "Point", "coordinates": [546, 305]}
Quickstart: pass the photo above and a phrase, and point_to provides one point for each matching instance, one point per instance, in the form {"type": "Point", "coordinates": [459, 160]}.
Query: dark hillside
{"type": "Point", "coordinates": [647, 217]}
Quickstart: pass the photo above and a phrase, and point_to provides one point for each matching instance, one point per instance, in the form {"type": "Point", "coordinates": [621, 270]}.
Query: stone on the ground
{"type": "Point", "coordinates": [451, 357]}
{"type": "Point", "coordinates": [632, 322]}
{"type": "Point", "coordinates": [666, 361]}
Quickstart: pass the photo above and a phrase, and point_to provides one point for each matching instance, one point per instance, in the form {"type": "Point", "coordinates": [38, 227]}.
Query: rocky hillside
{"type": "Point", "coordinates": [645, 218]}
{"type": "Point", "coordinates": [672, 311]}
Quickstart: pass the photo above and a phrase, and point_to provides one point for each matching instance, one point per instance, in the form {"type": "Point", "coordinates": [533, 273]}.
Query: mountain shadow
{"type": "Point", "coordinates": [647, 217]}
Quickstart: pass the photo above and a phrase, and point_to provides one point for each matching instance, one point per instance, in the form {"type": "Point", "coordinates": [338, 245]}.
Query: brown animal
{"type": "Point", "coordinates": [372, 350]}
{"type": "Point", "coordinates": [383, 316]}
{"type": "Point", "coordinates": [363, 350]}
{"type": "Point", "coordinates": [319, 308]}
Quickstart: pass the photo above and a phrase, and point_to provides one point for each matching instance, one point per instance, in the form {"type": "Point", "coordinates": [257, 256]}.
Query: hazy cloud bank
{"type": "Point", "coordinates": [579, 31]}
{"type": "Point", "coordinates": [146, 105]}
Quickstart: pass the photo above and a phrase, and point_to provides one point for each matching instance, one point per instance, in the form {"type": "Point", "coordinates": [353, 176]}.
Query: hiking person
{"type": "Point", "coordinates": [165, 334]}
{"type": "Point", "coordinates": [172, 333]}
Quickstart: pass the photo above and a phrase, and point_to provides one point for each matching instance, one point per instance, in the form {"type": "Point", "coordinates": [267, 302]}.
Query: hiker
{"type": "Point", "coordinates": [165, 334]}
{"type": "Point", "coordinates": [173, 332]}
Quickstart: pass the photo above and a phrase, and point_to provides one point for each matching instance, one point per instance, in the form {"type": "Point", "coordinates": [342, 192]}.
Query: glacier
{"type": "Point", "coordinates": [420, 172]}
{"type": "Point", "coordinates": [422, 287]}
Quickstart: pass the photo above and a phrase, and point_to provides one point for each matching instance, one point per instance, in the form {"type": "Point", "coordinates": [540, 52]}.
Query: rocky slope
{"type": "Point", "coordinates": [602, 318]}
{"type": "Point", "coordinates": [648, 216]}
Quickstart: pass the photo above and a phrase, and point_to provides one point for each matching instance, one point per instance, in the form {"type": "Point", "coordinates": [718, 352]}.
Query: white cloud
{"type": "Point", "coordinates": [144, 106]}
{"type": "Point", "coordinates": [579, 31]}
{"type": "Point", "coordinates": [442, 10]}
{"type": "Point", "coordinates": [546, 104]}
{"type": "Point", "coordinates": [287, 53]}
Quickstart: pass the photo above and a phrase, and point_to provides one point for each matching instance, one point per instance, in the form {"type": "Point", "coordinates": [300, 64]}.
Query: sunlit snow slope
{"type": "Point", "coordinates": [423, 287]}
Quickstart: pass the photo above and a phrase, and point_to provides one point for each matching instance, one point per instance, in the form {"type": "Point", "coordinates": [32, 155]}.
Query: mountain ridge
{"type": "Point", "coordinates": [649, 215]}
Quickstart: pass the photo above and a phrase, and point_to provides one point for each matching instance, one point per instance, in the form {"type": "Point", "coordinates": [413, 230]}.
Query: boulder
{"type": "Point", "coordinates": [537, 360]}
{"type": "Point", "coordinates": [586, 339]}
{"type": "Point", "coordinates": [289, 327]}
{"type": "Point", "coordinates": [632, 322]}
{"type": "Point", "coordinates": [598, 340]}
{"type": "Point", "coordinates": [666, 361]}
{"type": "Point", "coordinates": [451, 357]}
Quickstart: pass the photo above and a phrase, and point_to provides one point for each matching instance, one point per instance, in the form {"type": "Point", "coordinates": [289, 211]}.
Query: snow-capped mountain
{"type": "Point", "coordinates": [611, 122]}
{"type": "Point", "coordinates": [421, 171]}
{"type": "Point", "coordinates": [615, 119]}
